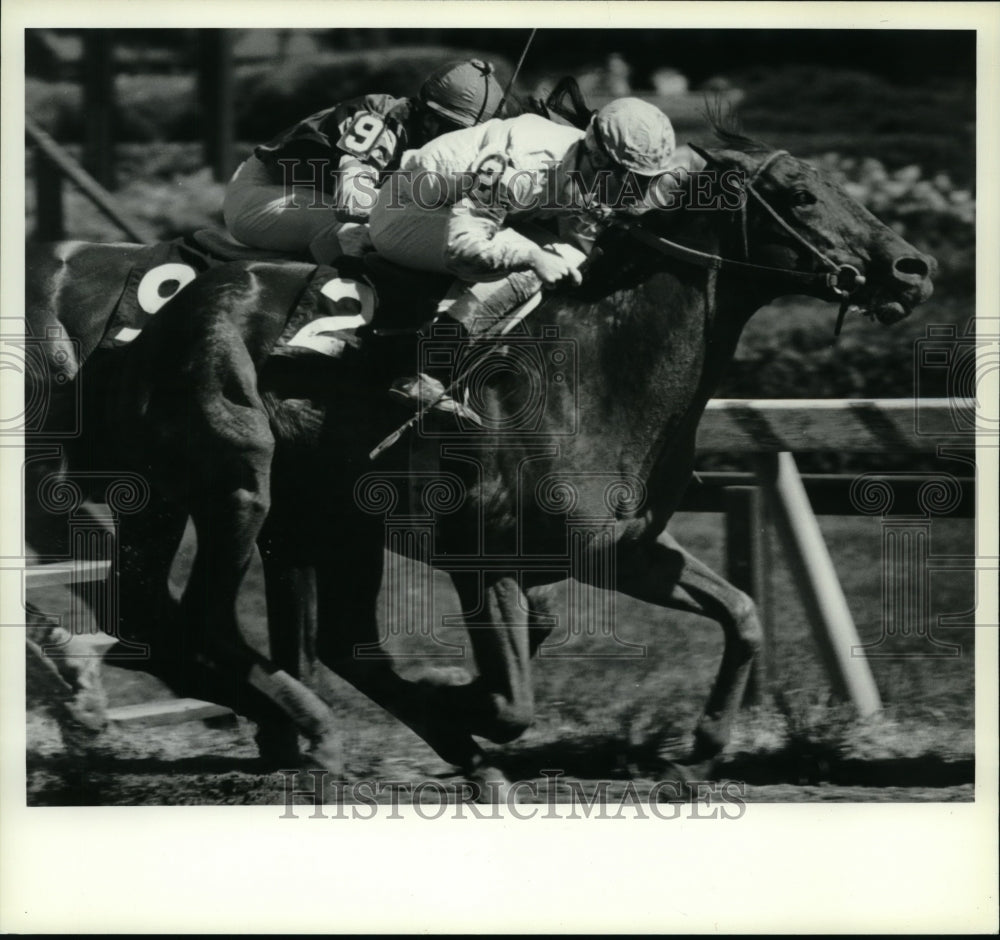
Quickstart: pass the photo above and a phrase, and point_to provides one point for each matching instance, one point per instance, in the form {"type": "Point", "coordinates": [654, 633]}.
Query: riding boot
{"type": "Point", "coordinates": [472, 314]}
{"type": "Point", "coordinates": [430, 389]}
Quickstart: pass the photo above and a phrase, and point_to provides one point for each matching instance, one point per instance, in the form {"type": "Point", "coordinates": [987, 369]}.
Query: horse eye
{"type": "Point", "coordinates": [802, 197]}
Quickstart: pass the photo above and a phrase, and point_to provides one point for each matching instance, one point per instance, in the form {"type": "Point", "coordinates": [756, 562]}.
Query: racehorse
{"type": "Point", "coordinates": [273, 448]}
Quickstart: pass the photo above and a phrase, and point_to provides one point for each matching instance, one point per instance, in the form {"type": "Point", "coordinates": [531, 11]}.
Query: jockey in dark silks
{"type": "Point", "coordinates": [307, 190]}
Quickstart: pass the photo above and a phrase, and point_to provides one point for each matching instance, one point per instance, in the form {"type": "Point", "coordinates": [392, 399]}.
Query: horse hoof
{"type": "Point", "coordinates": [684, 779]}
{"type": "Point", "coordinates": [89, 710]}
{"type": "Point", "coordinates": [445, 676]}
{"type": "Point", "coordinates": [80, 738]}
{"type": "Point", "coordinates": [490, 786]}
{"type": "Point", "coordinates": [278, 749]}
{"type": "Point", "coordinates": [327, 753]}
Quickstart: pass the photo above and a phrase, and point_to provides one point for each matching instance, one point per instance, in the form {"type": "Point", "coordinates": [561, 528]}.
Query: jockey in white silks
{"type": "Point", "coordinates": [465, 205]}
{"type": "Point", "coordinates": [308, 189]}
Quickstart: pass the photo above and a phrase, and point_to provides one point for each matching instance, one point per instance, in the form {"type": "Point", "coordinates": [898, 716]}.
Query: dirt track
{"type": "Point", "coordinates": [198, 764]}
{"type": "Point", "coordinates": [923, 754]}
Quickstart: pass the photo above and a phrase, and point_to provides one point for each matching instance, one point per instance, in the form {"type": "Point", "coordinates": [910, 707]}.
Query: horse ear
{"type": "Point", "coordinates": [706, 155]}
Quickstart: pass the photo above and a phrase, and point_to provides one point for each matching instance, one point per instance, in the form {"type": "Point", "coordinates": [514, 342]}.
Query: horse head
{"type": "Point", "coordinates": [791, 229]}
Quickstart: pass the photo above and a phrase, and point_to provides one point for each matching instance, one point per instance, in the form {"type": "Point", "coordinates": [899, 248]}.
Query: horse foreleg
{"type": "Point", "coordinates": [542, 601]}
{"type": "Point", "coordinates": [505, 629]}
{"type": "Point", "coordinates": [499, 705]}
{"type": "Point", "coordinates": [663, 573]}
{"type": "Point", "coordinates": [348, 642]}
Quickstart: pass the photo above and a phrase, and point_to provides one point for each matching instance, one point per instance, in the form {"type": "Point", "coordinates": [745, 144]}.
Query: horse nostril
{"type": "Point", "coordinates": [911, 266]}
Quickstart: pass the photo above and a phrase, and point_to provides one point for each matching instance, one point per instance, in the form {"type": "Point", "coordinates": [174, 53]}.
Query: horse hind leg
{"type": "Point", "coordinates": [212, 453]}
{"type": "Point", "coordinates": [68, 682]}
{"type": "Point", "coordinates": [227, 523]}
{"type": "Point", "coordinates": [543, 602]}
{"type": "Point", "coordinates": [290, 589]}
{"type": "Point", "coordinates": [663, 573]}
{"type": "Point", "coordinates": [147, 612]}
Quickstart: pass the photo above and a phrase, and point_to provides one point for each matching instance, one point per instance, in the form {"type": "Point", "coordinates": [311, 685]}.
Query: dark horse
{"type": "Point", "coordinates": [273, 448]}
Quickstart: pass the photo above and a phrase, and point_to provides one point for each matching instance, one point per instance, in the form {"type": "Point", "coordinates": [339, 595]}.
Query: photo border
{"type": "Point", "coordinates": [789, 868]}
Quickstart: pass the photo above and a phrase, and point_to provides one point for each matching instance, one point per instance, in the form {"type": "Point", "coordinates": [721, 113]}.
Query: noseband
{"type": "Point", "coordinates": [842, 280]}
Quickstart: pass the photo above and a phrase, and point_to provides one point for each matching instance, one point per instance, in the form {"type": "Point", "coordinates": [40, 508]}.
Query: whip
{"type": "Point", "coordinates": [517, 69]}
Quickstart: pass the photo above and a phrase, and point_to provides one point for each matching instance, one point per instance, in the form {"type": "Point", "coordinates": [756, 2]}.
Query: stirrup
{"type": "Point", "coordinates": [422, 392]}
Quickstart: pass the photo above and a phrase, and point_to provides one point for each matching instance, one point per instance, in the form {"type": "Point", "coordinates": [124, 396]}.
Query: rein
{"type": "Point", "coordinates": [842, 280]}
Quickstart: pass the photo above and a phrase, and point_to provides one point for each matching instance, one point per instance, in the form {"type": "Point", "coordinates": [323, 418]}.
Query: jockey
{"type": "Point", "coordinates": [469, 202]}
{"type": "Point", "coordinates": [318, 179]}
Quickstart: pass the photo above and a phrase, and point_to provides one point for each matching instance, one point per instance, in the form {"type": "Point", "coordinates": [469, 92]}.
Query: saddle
{"type": "Point", "coordinates": [407, 299]}
{"type": "Point", "coordinates": [221, 246]}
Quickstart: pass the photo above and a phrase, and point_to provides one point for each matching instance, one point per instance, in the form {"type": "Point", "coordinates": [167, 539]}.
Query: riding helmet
{"type": "Point", "coordinates": [464, 92]}
{"type": "Point", "coordinates": [634, 134]}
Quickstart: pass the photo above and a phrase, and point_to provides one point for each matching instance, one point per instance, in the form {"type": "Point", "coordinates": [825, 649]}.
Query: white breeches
{"type": "Point", "coordinates": [264, 214]}
{"type": "Point", "coordinates": [409, 235]}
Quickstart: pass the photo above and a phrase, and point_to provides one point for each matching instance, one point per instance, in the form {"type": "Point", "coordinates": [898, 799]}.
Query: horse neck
{"type": "Point", "coordinates": [652, 346]}
{"type": "Point", "coordinates": [667, 314]}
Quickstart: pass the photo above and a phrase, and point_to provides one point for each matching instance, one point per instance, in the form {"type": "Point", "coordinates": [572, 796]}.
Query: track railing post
{"type": "Point", "coordinates": [99, 105]}
{"type": "Point", "coordinates": [68, 167]}
{"type": "Point", "coordinates": [217, 95]}
{"type": "Point", "coordinates": [50, 223]}
{"type": "Point", "coordinates": [816, 579]}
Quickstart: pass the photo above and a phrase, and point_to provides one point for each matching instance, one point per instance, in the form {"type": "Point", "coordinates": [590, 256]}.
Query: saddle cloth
{"type": "Point", "coordinates": [400, 299]}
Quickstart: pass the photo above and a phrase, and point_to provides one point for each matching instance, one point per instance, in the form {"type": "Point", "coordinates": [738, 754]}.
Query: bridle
{"type": "Point", "coordinates": [842, 280]}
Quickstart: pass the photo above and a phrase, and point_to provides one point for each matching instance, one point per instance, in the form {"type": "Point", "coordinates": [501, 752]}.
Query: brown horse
{"type": "Point", "coordinates": [264, 445]}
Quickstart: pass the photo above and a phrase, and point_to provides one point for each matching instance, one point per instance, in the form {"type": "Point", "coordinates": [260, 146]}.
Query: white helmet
{"type": "Point", "coordinates": [634, 134]}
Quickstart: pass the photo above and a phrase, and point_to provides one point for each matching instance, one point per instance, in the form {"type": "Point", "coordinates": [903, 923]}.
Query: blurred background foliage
{"type": "Point", "coordinates": [890, 114]}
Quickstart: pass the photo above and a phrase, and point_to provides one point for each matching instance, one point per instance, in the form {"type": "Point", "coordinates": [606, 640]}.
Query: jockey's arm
{"type": "Point", "coordinates": [357, 190]}
{"type": "Point", "coordinates": [480, 248]}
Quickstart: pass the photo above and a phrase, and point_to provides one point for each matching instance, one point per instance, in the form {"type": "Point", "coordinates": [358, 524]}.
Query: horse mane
{"type": "Point", "coordinates": [726, 125]}
{"type": "Point", "coordinates": [735, 140]}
